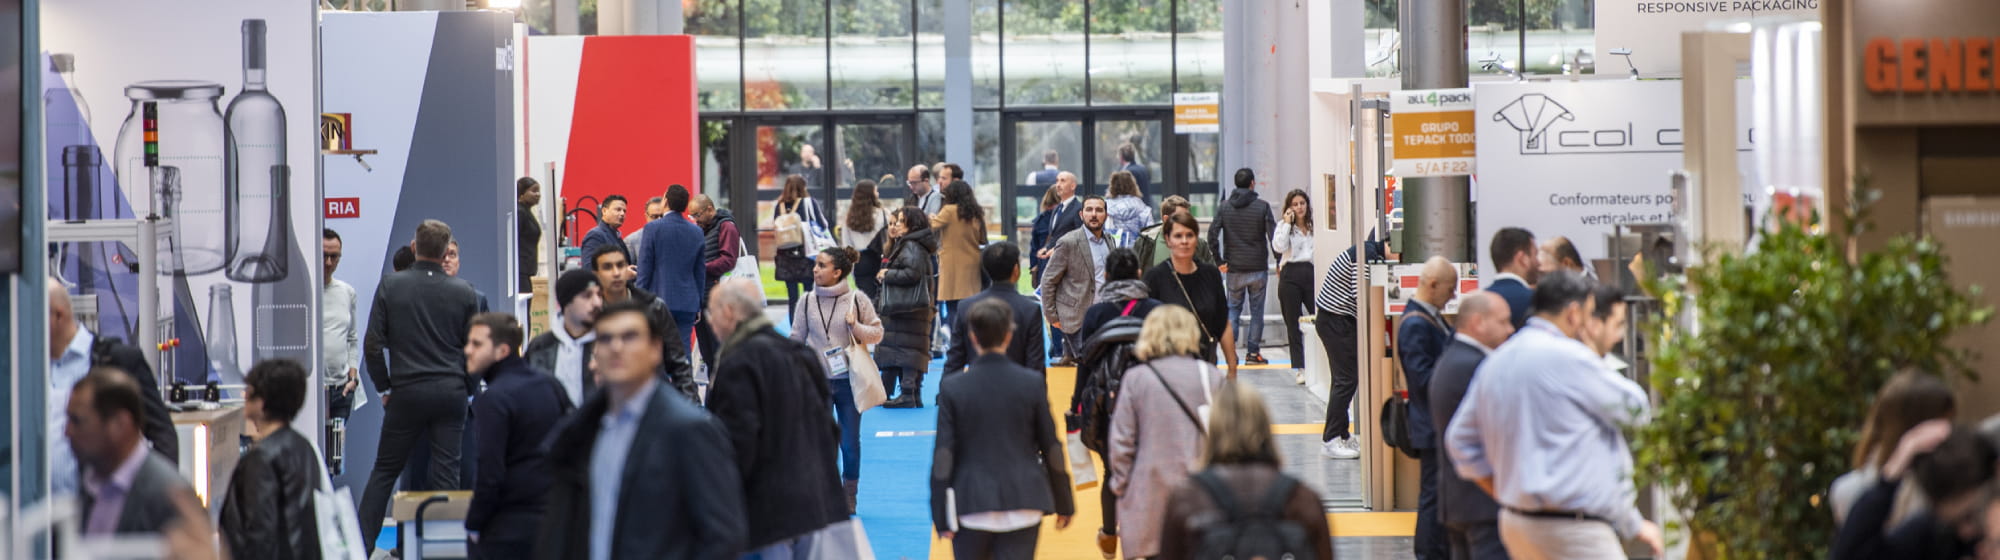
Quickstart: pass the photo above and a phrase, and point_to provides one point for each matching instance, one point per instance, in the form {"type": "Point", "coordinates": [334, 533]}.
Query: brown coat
{"type": "Point", "coordinates": [958, 254]}
{"type": "Point", "coordinates": [1191, 511]}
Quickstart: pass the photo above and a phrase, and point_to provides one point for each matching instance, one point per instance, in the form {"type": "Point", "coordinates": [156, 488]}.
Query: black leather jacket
{"type": "Point", "coordinates": [676, 368]}
{"type": "Point", "coordinates": [268, 512]}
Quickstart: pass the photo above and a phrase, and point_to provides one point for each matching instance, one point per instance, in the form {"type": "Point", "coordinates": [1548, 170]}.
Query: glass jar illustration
{"type": "Point", "coordinates": [258, 177]}
{"type": "Point", "coordinates": [221, 336]}
{"type": "Point", "coordinates": [188, 185]}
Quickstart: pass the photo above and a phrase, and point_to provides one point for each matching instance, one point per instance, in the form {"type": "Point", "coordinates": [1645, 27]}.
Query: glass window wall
{"type": "Point", "coordinates": [718, 61]}
{"type": "Point", "coordinates": [784, 54]}
{"type": "Point", "coordinates": [872, 64]}
{"type": "Point", "coordinates": [1128, 39]}
{"type": "Point", "coordinates": [1042, 54]}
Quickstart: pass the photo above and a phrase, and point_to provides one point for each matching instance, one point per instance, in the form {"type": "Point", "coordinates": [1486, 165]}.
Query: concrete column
{"type": "Point", "coordinates": [639, 17]}
{"type": "Point", "coordinates": [1436, 210]}
{"type": "Point", "coordinates": [566, 17]}
{"type": "Point", "coordinates": [1339, 49]}
{"type": "Point", "coordinates": [1266, 85]}
{"type": "Point", "coordinates": [958, 87]}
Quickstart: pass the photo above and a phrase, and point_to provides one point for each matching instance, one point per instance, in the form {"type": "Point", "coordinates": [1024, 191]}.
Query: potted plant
{"type": "Point", "coordinates": [1763, 366]}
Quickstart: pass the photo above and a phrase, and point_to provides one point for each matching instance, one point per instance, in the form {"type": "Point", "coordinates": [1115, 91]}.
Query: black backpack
{"type": "Point", "coordinates": [1262, 533]}
{"type": "Point", "coordinates": [1108, 355]}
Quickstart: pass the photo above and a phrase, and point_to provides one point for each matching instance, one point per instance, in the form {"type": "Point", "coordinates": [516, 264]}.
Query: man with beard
{"type": "Point", "coordinates": [614, 282]}
{"type": "Point", "coordinates": [565, 350]}
{"type": "Point", "coordinates": [721, 246]}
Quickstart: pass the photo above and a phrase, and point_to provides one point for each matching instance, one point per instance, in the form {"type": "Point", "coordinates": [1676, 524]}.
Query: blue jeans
{"type": "Point", "coordinates": [1246, 293]}
{"type": "Point", "coordinates": [849, 417]}
{"type": "Point", "coordinates": [796, 548]}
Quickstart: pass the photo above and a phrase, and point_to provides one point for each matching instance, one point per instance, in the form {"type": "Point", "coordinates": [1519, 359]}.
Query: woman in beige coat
{"type": "Point", "coordinates": [1156, 439]}
{"type": "Point", "coordinates": [961, 230]}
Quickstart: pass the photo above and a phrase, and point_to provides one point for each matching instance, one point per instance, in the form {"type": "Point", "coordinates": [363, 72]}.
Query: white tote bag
{"type": "Point", "coordinates": [746, 263]}
{"type": "Point", "coordinates": [339, 528]}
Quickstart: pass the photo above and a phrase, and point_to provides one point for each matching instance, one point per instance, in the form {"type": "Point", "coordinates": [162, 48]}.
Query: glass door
{"type": "Point", "coordinates": [878, 149]}
{"type": "Point", "coordinates": [1129, 145]}
{"type": "Point", "coordinates": [1035, 152]}
{"type": "Point", "coordinates": [1036, 146]}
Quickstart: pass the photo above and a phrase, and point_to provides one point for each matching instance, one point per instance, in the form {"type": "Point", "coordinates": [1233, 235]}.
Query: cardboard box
{"type": "Point", "coordinates": [1965, 226]}
{"type": "Point", "coordinates": [538, 308]}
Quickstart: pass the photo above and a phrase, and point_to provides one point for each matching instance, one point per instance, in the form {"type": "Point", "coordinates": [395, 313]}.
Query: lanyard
{"type": "Point", "coordinates": [826, 326]}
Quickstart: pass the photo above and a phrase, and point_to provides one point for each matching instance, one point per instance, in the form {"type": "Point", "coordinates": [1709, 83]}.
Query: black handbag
{"type": "Point", "coordinates": [792, 264]}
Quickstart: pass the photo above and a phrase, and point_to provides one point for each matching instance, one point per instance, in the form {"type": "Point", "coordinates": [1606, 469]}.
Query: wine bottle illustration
{"type": "Point", "coordinates": [258, 177]}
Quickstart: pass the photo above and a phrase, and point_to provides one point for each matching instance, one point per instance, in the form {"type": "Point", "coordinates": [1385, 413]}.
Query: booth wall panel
{"type": "Point", "coordinates": [629, 124]}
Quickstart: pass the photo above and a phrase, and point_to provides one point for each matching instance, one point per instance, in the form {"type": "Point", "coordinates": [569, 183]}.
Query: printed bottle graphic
{"type": "Point", "coordinates": [221, 338]}
{"type": "Point", "coordinates": [258, 176]}
{"type": "Point", "coordinates": [186, 176]}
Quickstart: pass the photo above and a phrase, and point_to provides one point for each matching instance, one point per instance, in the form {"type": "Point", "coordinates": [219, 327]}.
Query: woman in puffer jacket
{"type": "Point", "coordinates": [1129, 212]}
{"type": "Point", "coordinates": [907, 303]}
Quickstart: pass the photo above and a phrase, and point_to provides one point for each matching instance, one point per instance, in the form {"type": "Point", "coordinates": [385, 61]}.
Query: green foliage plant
{"type": "Point", "coordinates": [1764, 366]}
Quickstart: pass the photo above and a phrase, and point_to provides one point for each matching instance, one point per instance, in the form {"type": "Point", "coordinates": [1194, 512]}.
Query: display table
{"type": "Point", "coordinates": [211, 442]}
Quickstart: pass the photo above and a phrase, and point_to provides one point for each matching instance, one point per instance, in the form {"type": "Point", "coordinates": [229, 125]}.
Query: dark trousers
{"type": "Point", "coordinates": [1106, 498]}
{"type": "Point", "coordinates": [792, 290]}
{"type": "Point", "coordinates": [908, 381]}
{"type": "Point", "coordinates": [410, 415]}
{"type": "Point", "coordinates": [849, 417]}
{"type": "Point", "coordinates": [509, 535]}
{"type": "Point", "coordinates": [339, 405]}
{"type": "Point", "coordinates": [1476, 541]}
{"type": "Point", "coordinates": [980, 545]}
{"type": "Point", "coordinates": [685, 320]}
{"type": "Point", "coordinates": [706, 342]}
{"type": "Point", "coordinates": [1294, 295]}
{"type": "Point", "coordinates": [1337, 334]}
{"type": "Point", "coordinates": [1056, 347]}
{"type": "Point", "coordinates": [1430, 542]}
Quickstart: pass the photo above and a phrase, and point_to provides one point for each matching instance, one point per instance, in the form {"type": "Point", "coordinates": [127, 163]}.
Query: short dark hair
{"type": "Point", "coordinates": [1604, 297]}
{"type": "Point", "coordinates": [403, 258]}
{"type": "Point", "coordinates": [1128, 153]}
{"type": "Point", "coordinates": [989, 321]}
{"type": "Point", "coordinates": [927, 173]}
{"type": "Point", "coordinates": [656, 328]}
{"type": "Point", "coordinates": [1245, 178]}
{"type": "Point", "coordinates": [957, 173]}
{"type": "Point", "coordinates": [522, 185]}
{"type": "Point", "coordinates": [1963, 462]}
{"type": "Point", "coordinates": [1564, 249]}
{"type": "Point", "coordinates": [1182, 219]}
{"type": "Point", "coordinates": [329, 234]}
{"type": "Point", "coordinates": [1121, 264]}
{"type": "Point", "coordinates": [1558, 290]}
{"type": "Point", "coordinates": [113, 390]}
{"type": "Point", "coordinates": [501, 328]}
{"type": "Point", "coordinates": [590, 261]}
{"type": "Point", "coordinates": [677, 198]}
{"type": "Point", "coordinates": [281, 383]}
{"type": "Point", "coordinates": [1050, 156]}
{"type": "Point", "coordinates": [433, 239]}
{"type": "Point", "coordinates": [1097, 197]}
{"type": "Point", "coordinates": [610, 199]}
{"type": "Point", "coordinates": [1509, 242]}
{"type": "Point", "coordinates": [1000, 260]}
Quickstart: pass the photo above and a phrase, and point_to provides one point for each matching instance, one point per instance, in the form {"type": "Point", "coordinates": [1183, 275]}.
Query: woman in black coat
{"type": "Point", "coordinates": [906, 306]}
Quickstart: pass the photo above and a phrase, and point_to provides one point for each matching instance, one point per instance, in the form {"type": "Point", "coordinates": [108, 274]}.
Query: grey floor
{"type": "Point", "coordinates": [1338, 482]}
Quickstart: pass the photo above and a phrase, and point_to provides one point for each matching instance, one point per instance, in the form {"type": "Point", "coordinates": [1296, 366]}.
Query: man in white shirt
{"type": "Point", "coordinates": [565, 350]}
{"type": "Point", "coordinates": [655, 208]}
{"type": "Point", "coordinates": [340, 357]}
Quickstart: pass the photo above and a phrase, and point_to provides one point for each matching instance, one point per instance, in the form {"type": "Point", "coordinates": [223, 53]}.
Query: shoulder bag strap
{"type": "Point", "coordinates": [1396, 349]}
{"type": "Point", "coordinates": [1278, 496]}
{"type": "Point", "coordinates": [1208, 338]}
{"type": "Point", "coordinates": [1128, 308]}
{"type": "Point", "coordinates": [1198, 426]}
{"type": "Point", "coordinates": [1219, 492]}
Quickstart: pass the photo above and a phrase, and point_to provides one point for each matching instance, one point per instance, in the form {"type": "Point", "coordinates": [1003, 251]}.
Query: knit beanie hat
{"type": "Point", "coordinates": [572, 283]}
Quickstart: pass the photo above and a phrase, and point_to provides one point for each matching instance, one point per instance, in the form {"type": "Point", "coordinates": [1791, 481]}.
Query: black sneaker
{"type": "Point", "coordinates": [905, 401]}
{"type": "Point", "coordinates": [1256, 359]}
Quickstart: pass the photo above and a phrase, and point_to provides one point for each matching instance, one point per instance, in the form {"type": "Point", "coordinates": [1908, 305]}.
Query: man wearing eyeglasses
{"type": "Point", "coordinates": [342, 351]}
{"type": "Point", "coordinates": [921, 193]}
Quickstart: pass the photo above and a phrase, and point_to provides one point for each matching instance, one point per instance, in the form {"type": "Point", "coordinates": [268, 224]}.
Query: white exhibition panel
{"type": "Point", "coordinates": [550, 72]}
{"type": "Point", "coordinates": [1652, 28]}
{"type": "Point", "coordinates": [119, 43]}
{"type": "Point", "coordinates": [1574, 159]}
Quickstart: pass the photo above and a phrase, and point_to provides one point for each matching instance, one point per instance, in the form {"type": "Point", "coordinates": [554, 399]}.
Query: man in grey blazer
{"type": "Point", "coordinates": [126, 487]}
{"type": "Point", "coordinates": [1073, 274]}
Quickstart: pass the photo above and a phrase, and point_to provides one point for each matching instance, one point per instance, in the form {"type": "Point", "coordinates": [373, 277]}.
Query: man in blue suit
{"type": "Point", "coordinates": [676, 271]}
{"type": "Point", "coordinates": [1051, 165]}
{"type": "Point", "coordinates": [1470, 516]}
{"type": "Point", "coordinates": [1513, 252]}
{"type": "Point", "coordinates": [1421, 338]}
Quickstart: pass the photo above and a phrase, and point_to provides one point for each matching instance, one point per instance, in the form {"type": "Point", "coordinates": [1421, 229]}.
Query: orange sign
{"type": "Point", "coordinates": [1197, 112]}
{"type": "Point", "coordinates": [1950, 64]}
{"type": "Point", "coordinates": [1432, 131]}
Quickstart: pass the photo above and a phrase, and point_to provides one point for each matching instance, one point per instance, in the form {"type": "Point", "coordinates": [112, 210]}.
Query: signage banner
{"type": "Point", "coordinates": [1433, 132]}
{"type": "Point", "coordinates": [1197, 112]}
{"type": "Point", "coordinates": [1652, 28]}
{"type": "Point", "coordinates": [1574, 159]}
{"type": "Point", "coordinates": [343, 207]}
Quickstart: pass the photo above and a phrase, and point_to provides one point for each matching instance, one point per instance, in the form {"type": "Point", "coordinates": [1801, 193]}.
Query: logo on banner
{"type": "Point", "coordinates": [343, 208]}
{"type": "Point", "coordinates": [1540, 122]}
{"type": "Point", "coordinates": [1532, 115]}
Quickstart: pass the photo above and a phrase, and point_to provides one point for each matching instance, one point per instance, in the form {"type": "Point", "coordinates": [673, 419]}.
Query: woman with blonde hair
{"type": "Point", "coordinates": [1157, 424]}
{"type": "Point", "coordinates": [1128, 210]}
{"type": "Point", "coordinates": [1240, 463]}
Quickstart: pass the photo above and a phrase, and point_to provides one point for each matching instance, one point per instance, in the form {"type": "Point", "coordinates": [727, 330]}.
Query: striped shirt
{"type": "Point", "coordinates": [1337, 293]}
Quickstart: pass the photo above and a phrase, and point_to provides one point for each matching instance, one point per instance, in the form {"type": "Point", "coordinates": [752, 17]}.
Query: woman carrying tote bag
{"type": "Point", "coordinates": [794, 219]}
{"type": "Point", "coordinates": [835, 321]}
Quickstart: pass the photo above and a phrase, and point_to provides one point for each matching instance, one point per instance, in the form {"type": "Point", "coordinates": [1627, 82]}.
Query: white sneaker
{"type": "Point", "coordinates": [1340, 448]}
{"type": "Point", "coordinates": [1299, 376]}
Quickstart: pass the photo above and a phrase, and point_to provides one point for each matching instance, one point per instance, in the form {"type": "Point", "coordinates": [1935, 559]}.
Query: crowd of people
{"type": "Point", "coordinates": [664, 414]}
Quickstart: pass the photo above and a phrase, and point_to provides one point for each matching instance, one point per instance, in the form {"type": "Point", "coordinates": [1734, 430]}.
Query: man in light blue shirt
{"type": "Point", "coordinates": [70, 347]}
{"type": "Point", "coordinates": [1540, 430]}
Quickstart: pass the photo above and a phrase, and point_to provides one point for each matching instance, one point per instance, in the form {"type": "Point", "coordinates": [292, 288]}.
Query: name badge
{"type": "Point", "coordinates": [836, 361]}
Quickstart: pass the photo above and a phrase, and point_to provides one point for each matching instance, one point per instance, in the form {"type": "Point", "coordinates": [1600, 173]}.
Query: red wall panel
{"type": "Point", "coordinates": [635, 128]}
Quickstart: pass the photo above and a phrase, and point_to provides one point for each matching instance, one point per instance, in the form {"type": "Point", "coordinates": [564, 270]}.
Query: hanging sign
{"type": "Point", "coordinates": [1433, 132]}
{"type": "Point", "coordinates": [1197, 113]}
{"type": "Point", "coordinates": [1650, 30]}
